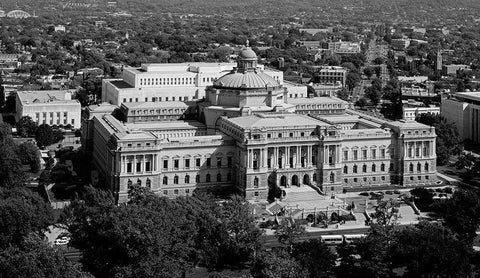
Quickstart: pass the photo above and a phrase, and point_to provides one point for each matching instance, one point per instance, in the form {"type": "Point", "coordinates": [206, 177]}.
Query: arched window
{"type": "Point", "coordinates": [187, 179]}
{"type": "Point", "coordinates": [229, 176]}
{"type": "Point", "coordinates": [139, 182]}
{"type": "Point", "coordinates": [148, 183]}
{"type": "Point", "coordinates": [355, 168]}
{"type": "Point", "coordinates": [129, 183]}
{"type": "Point", "coordinates": [197, 178]}
{"type": "Point", "coordinates": [410, 167]}
{"type": "Point", "coordinates": [374, 167]}
{"type": "Point", "coordinates": [345, 169]}
{"type": "Point", "coordinates": [165, 180]}
{"type": "Point", "coordinates": [219, 177]}
{"type": "Point", "coordinates": [364, 168]}
{"type": "Point", "coordinates": [427, 168]}
{"type": "Point", "coordinates": [207, 178]}
{"type": "Point", "coordinates": [255, 182]}
{"type": "Point", "coordinates": [382, 167]}
{"type": "Point", "coordinates": [419, 167]}
{"type": "Point", "coordinates": [175, 179]}
{"type": "Point", "coordinates": [332, 177]}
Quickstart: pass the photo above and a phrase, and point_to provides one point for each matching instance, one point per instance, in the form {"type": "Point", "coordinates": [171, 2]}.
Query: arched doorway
{"type": "Point", "coordinates": [306, 179]}
{"type": "Point", "coordinates": [295, 180]}
{"type": "Point", "coordinates": [283, 181]}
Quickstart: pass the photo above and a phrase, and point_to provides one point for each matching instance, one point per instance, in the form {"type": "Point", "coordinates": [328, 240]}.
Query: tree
{"type": "Point", "coordinates": [5, 132]}
{"type": "Point", "coordinates": [29, 154]}
{"type": "Point", "coordinates": [315, 256]}
{"type": "Point", "coordinates": [361, 102]}
{"type": "Point", "coordinates": [431, 250]}
{"type": "Point", "coordinates": [277, 264]}
{"type": "Point", "coordinates": [288, 233]}
{"type": "Point", "coordinates": [470, 163]}
{"type": "Point", "coordinates": [11, 174]}
{"type": "Point", "coordinates": [35, 258]}
{"type": "Point", "coordinates": [423, 197]}
{"type": "Point", "coordinates": [368, 71]}
{"type": "Point", "coordinates": [462, 213]}
{"type": "Point", "coordinates": [393, 93]}
{"type": "Point", "coordinates": [448, 140]}
{"type": "Point", "coordinates": [343, 94]}
{"type": "Point", "coordinates": [22, 213]}
{"type": "Point", "coordinates": [352, 80]}
{"type": "Point", "coordinates": [46, 136]}
{"type": "Point", "coordinates": [26, 127]}
{"type": "Point", "coordinates": [374, 92]}
{"type": "Point", "coordinates": [150, 237]}
{"type": "Point", "coordinates": [370, 256]}
{"type": "Point", "coordinates": [243, 236]}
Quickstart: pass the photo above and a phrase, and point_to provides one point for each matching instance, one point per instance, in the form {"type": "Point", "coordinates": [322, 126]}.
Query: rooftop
{"type": "Point", "coordinates": [50, 96]}
{"type": "Point", "coordinates": [156, 105]}
{"type": "Point", "coordinates": [475, 96]}
{"type": "Point", "coordinates": [269, 120]}
{"type": "Point", "coordinates": [316, 100]}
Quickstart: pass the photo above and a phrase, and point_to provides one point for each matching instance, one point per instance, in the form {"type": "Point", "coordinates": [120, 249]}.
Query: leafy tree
{"type": "Point", "coordinates": [150, 237]}
{"type": "Point", "coordinates": [35, 258]}
{"type": "Point", "coordinates": [361, 102]}
{"type": "Point", "coordinates": [423, 197]}
{"type": "Point", "coordinates": [470, 163]}
{"type": "Point", "coordinates": [26, 127]}
{"type": "Point", "coordinates": [5, 131]}
{"type": "Point", "coordinates": [370, 256]}
{"type": "Point", "coordinates": [28, 154]}
{"type": "Point", "coordinates": [315, 256]}
{"type": "Point", "coordinates": [22, 213]}
{"type": "Point", "coordinates": [288, 233]}
{"type": "Point", "coordinates": [431, 250]}
{"type": "Point", "coordinates": [374, 92]}
{"type": "Point", "coordinates": [46, 135]}
{"type": "Point", "coordinates": [11, 174]}
{"type": "Point", "coordinates": [343, 94]}
{"type": "Point", "coordinates": [277, 264]}
{"type": "Point", "coordinates": [352, 80]}
{"type": "Point", "coordinates": [462, 213]}
{"type": "Point", "coordinates": [393, 93]}
{"type": "Point", "coordinates": [448, 140]}
{"type": "Point", "coordinates": [368, 71]}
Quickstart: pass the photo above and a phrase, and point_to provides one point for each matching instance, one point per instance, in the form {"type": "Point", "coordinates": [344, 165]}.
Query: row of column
{"type": "Point", "coordinates": [258, 157]}
{"type": "Point", "coordinates": [143, 159]}
{"type": "Point", "coordinates": [419, 144]}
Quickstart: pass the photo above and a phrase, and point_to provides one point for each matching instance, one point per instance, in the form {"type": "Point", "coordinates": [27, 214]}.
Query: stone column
{"type": "Point", "coordinates": [309, 156]}
{"type": "Point", "coordinates": [275, 157]}
{"type": "Point", "coordinates": [287, 154]}
{"type": "Point", "coordinates": [134, 164]}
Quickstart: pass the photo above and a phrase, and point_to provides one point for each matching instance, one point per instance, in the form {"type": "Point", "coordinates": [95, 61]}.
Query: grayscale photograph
{"type": "Point", "coordinates": [240, 139]}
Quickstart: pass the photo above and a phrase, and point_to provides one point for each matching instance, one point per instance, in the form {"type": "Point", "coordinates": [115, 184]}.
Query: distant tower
{"type": "Point", "coordinates": [281, 63]}
{"type": "Point", "coordinates": [439, 61]}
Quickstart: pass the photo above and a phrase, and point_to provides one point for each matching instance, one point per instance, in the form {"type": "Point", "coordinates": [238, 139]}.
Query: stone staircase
{"type": "Point", "coordinates": [305, 197]}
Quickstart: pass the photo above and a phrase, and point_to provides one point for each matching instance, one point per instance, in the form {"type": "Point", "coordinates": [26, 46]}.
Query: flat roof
{"type": "Point", "coordinates": [165, 125]}
{"type": "Point", "coordinates": [475, 96]}
{"type": "Point", "coordinates": [316, 100]}
{"type": "Point", "coordinates": [157, 104]}
{"type": "Point", "coordinates": [45, 96]}
{"type": "Point", "coordinates": [267, 120]}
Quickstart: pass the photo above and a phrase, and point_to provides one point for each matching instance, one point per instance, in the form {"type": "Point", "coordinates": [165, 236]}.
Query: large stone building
{"type": "Point", "coordinates": [247, 138]}
{"type": "Point", "coordinates": [49, 107]}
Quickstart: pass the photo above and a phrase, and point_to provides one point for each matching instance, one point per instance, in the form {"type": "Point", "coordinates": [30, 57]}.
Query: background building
{"type": "Point", "coordinates": [49, 107]}
{"type": "Point", "coordinates": [463, 109]}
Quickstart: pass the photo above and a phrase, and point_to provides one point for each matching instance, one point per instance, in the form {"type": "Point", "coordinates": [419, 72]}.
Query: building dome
{"type": "Point", "coordinates": [246, 80]}
{"type": "Point", "coordinates": [247, 53]}
{"type": "Point", "coordinates": [246, 75]}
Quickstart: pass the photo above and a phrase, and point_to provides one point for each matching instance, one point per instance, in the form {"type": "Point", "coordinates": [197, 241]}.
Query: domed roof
{"type": "Point", "coordinates": [247, 53]}
{"type": "Point", "coordinates": [246, 80]}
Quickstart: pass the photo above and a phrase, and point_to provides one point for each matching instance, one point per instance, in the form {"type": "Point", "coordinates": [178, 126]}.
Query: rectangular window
{"type": "Point", "coordinates": [229, 161]}
{"type": "Point", "coordinates": [165, 164]}
{"type": "Point", "coordinates": [176, 162]}
{"type": "Point", "coordinates": [219, 162]}
{"type": "Point", "coordinates": [197, 162]}
{"type": "Point", "coordinates": [73, 121]}
{"type": "Point", "coordinates": [355, 155]}
{"type": "Point", "coordinates": [187, 163]}
{"type": "Point", "coordinates": [139, 166]}
{"type": "Point", "coordinates": [124, 100]}
{"type": "Point", "coordinates": [129, 167]}
{"type": "Point", "coordinates": [146, 99]}
{"type": "Point", "coordinates": [364, 154]}
{"type": "Point", "coordinates": [209, 162]}
{"type": "Point", "coordinates": [345, 155]}
{"type": "Point", "coordinates": [147, 166]}
{"type": "Point", "coordinates": [382, 153]}
{"type": "Point", "coordinates": [374, 154]}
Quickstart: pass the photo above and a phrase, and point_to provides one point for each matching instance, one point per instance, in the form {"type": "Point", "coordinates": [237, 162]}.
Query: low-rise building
{"type": "Point", "coordinates": [453, 69]}
{"type": "Point", "coordinates": [49, 107]}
